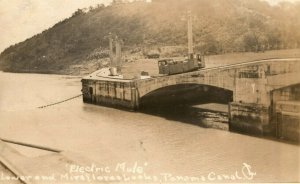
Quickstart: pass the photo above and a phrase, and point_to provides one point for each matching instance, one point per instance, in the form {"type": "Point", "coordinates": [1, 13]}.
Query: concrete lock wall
{"type": "Point", "coordinates": [253, 109]}
{"type": "Point", "coordinates": [248, 118]}
{"type": "Point", "coordinates": [286, 113]}
{"type": "Point", "coordinates": [253, 85]}
{"type": "Point", "coordinates": [249, 113]}
{"type": "Point", "coordinates": [288, 126]}
{"type": "Point", "coordinates": [110, 93]}
{"type": "Point", "coordinates": [278, 116]}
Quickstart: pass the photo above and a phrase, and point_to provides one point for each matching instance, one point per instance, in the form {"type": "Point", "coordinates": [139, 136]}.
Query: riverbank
{"type": "Point", "coordinates": [134, 67]}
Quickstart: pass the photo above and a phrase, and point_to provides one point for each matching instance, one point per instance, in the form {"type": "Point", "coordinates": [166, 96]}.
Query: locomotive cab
{"type": "Point", "coordinates": [171, 66]}
{"type": "Point", "coordinates": [192, 63]}
{"type": "Point", "coordinates": [200, 59]}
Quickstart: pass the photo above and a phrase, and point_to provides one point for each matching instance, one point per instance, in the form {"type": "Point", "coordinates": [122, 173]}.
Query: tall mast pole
{"type": "Point", "coordinates": [111, 52]}
{"type": "Point", "coordinates": [118, 53]}
{"type": "Point", "coordinates": [190, 35]}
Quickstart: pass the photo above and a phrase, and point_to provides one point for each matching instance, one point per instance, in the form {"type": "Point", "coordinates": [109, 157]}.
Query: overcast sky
{"type": "Point", "coordinates": [21, 19]}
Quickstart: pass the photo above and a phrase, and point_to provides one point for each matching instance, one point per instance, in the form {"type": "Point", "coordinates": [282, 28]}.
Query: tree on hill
{"type": "Point", "coordinates": [219, 27]}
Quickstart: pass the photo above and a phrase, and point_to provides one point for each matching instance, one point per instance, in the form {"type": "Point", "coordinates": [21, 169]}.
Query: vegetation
{"type": "Point", "coordinates": [219, 27]}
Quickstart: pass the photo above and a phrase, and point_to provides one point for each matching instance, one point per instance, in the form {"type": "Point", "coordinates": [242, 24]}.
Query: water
{"type": "Point", "coordinates": [175, 143]}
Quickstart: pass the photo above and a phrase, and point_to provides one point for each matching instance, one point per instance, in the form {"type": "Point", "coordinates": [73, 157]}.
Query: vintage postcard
{"type": "Point", "coordinates": [149, 91]}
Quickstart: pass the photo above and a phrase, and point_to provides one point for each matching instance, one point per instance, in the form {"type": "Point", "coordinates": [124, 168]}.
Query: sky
{"type": "Point", "coordinates": [278, 1]}
{"type": "Point", "coordinates": [21, 19]}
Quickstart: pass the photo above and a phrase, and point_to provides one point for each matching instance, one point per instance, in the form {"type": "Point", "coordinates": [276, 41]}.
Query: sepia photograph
{"type": "Point", "coordinates": [149, 91]}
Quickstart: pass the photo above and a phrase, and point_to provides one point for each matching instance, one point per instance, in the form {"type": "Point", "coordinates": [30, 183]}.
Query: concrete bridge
{"type": "Point", "coordinates": [258, 87]}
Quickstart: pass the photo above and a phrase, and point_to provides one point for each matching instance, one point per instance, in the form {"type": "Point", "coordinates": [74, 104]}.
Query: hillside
{"type": "Point", "coordinates": [80, 42]}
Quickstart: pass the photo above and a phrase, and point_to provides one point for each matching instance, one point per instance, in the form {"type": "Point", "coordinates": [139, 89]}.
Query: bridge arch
{"type": "Point", "coordinates": [186, 93]}
{"type": "Point", "coordinates": [146, 87]}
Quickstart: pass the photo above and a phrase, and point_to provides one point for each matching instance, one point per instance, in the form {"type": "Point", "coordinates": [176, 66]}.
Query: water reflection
{"type": "Point", "coordinates": [186, 103]}
{"type": "Point", "coordinates": [191, 115]}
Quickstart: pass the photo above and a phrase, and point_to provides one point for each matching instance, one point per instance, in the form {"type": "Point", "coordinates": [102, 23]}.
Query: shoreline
{"type": "Point", "coordinates": [41, 72]}
{"type": "Point", "coordinates": [135, 67]}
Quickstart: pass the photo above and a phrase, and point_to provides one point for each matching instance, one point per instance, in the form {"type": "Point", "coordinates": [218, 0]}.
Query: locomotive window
{"type": "Point", "coordinates": [162, 63]}
{"type": "Point", "coordinates": [91, 90]}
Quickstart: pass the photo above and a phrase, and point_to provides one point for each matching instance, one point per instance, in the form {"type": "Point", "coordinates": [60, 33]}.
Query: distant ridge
{"type": "Point", "coordinates": [220, 26]}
